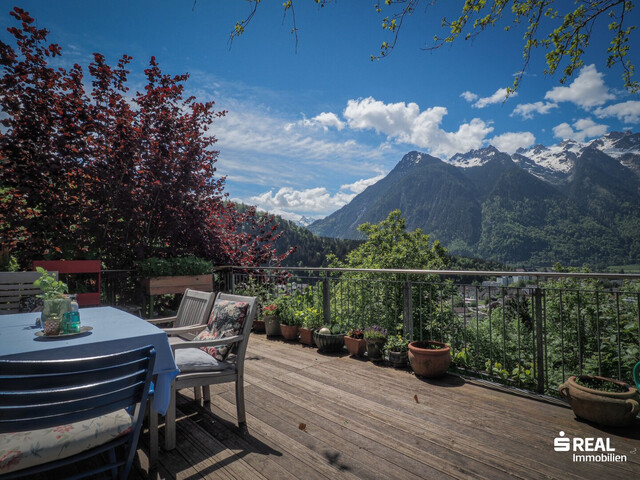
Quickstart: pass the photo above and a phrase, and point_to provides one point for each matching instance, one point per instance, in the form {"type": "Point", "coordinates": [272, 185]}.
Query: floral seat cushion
{"type": "Point", "coordinates": [20, 450]}
{"type": "Point", "coordinates": [226, 320]}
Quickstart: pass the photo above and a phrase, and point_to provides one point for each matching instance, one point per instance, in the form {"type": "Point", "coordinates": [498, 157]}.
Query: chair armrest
{"type": "Point", "coordinates": [207, 343]}
{"type": "Point", "coordinates": [182, 330]}
{"type": "Point", "coordinates": [156, 321]}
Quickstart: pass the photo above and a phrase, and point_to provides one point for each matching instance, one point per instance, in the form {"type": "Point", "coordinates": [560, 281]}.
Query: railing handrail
{"type": "Point", "coordinates": [465, 273]}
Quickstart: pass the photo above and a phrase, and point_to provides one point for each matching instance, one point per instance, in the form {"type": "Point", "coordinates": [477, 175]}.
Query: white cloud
{"type": "Point", "coordinates": [580, 130]}
{"type": "Point", "coordinates": [628, 112]}
{"type": "Point", "coordinates": [499, 96]}
{"type": "Point", "coordinates": [328, 120]}
{"type": "Point", "coordinates": [469, 96]}
{"type": "Point", "coordinates": [248, 128]}
{"type": "Point", "coordinates": [511, 141]}
{"type": "Point", "coordinates": [527, 110]}
{"type": "Point", "coordinates": [361, 185]}
{"type": "Point", "coordinates": [310, 200]}
{"type": "Point", "coordinates": [406, 123]}
{"type": "Point", "coordinates": [587, 90]}
{"type": "Point", "coordinates": [325, 120]}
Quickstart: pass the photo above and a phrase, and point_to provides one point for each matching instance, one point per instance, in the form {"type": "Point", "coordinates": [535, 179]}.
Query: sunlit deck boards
{"type": "Point", "coordinates": [362, 421]}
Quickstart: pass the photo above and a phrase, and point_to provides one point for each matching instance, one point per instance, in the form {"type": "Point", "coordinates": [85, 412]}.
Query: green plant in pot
{"type": "Point", "coordinates": [376, 337]}
{"type": "Point", "coordinates": [312, 320]}
{"type": "Point", "coordinates": [55, 302]}
{"type": "Point", "coordinates": [329, 339]}
{"type": "Point", "coordinates": [397, 348]}
{"type": "Point", "coordinates": [290, 323]}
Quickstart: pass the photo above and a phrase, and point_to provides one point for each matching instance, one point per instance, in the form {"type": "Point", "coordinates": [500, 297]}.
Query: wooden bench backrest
{"type": "Point", "coordinates": [14, 286]}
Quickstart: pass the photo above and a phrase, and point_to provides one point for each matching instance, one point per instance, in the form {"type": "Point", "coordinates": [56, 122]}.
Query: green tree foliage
{"type": "Point", "coordinates": [378, 300]}
{"type": "Point", "coordinates": [561, 29]}
{"type": "Point", "coordinates": [389, 245]}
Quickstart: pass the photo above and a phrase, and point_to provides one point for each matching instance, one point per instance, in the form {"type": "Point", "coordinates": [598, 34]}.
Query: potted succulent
{"type": "Point", "coordinates": [55, 302]}
{"type": "Point", "coordinates": [329, 338]}
{"type": "Point", "coordinates": [397, 348]}
{"type": "Point", "coordinates": [602, 400]}
{"type": "Point", "coordinates": [429, 358]}
{"type": "Point", "coordinates": [376, 337]}
{"type": "Point", "coordinates": [312, 320]}
{"type": "Point", "coordinates": [355, 342]}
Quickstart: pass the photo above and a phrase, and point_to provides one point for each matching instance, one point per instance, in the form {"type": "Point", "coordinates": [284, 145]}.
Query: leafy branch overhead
{"type": "Point", "coordinates": [562, 29]}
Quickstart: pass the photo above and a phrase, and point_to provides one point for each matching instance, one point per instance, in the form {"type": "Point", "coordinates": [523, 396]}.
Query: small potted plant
{"type": "Point", "coordinates": [429, 359]}
{"type": "Point", "coordinates": [602, 400]}
{"type": "Point", "coordinates": [329, 339]}
{"type": "Point", "coordinates": [290, 322]}
{"type": "Point", "coordinates": [397, 348]}
{"type": "Point", "coordinates": [267, 311]}
{"type": "Point", "coordinates": [355, 342]}
{"type": "Point", "coordinates": [312, 320]}
{"type": "Point", "coordinates": [271, 315]}
{"type": "Point", "coordinates": [376, 337]}
{"type": "Point", "coordinates": [55, 302]}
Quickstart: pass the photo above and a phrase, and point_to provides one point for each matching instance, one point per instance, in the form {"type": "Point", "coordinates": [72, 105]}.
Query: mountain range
{"type": "Point", "coordinates": [573, 203]}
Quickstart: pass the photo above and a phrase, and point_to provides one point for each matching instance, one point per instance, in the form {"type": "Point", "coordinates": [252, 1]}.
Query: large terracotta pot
{"type": "Point", "coordinates": [356, 346]}
{"type": "Point", "coordinates": [289, 332]}
{"type": "Point", "coordinates": [614, 409]}
{"type": "Point", "coordinates": [375, 349]}
{"type": "Point", "coordinates": [429, 362]}
{"type": "Point", "coordinates": [328, 343]}
{"type": "Point", "coordinates": [272, 326]}
{"type": "Point", "coordinates": [306, 336]}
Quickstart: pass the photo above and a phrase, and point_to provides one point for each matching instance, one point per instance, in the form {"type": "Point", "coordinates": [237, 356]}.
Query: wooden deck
{"type": "Point", "coordinates": [314, 416]}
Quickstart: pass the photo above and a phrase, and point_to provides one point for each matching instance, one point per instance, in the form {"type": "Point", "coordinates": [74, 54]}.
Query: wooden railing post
{"type": "Point", "coordinates": [407, 309]}
{"type": "Point", "coordinates": [537, 294]}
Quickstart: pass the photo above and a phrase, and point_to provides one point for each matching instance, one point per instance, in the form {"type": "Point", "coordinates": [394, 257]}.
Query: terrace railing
{"type": "Point", "coordinates": [529, 329]}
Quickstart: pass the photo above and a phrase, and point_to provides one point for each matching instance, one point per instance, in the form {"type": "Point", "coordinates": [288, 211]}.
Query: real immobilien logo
{"type": "Point", "coordinates": [592, 449]}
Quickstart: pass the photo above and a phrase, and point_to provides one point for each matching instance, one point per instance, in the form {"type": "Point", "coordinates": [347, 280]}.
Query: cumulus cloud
{"type": "Point", "coordinates": [587, 90]}
{"type": "Point", "coordinates": [469, 96]}
{"type": "Point", "coordinates": [511, 141]}
{"type": "Point", "coordinates": [310, 200]}
{"type": "Point", "coordinates": [579, 130]}
{"type": "Point", "coordinates": [405, 123]}
{"type": "Point", "coordinates": [527, 110]}
{"type": "Point", "coordinates": [325, 120]}
{"type": "Point", "coordinates": [499, 96]}
{"type": "Point", "coordinates": [628, 112]}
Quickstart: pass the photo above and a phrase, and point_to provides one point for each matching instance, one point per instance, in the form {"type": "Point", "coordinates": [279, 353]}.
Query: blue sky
{"type": "Point", "coordinates": [307, 130]}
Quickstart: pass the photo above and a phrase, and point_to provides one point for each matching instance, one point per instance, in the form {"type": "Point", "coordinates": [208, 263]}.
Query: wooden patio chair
{"type": "Point", "coordinates": [58, 412]}
{"type": "Point", "coordinates": [193, 313]}
{"type": "Point", "coordinates": [199, 368]}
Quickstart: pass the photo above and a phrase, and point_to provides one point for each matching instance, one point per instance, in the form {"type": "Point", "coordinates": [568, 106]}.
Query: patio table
{"type": "Point", "coordinates": [113, 330]}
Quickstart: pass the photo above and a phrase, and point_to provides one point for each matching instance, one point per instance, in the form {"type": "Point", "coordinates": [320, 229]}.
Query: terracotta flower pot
{"type": "Point", "coordinates": [356, 346]}
{"type": "Point", "coordinates": [429, 362]}
{"type": "Point", "coordinates": [615, 409]}
{"type": "Point", "coordinates": [375, 347]}
{"type": "Point", "coordinates": [272, 326]}
{"type": "Point", "coordinates": [328, 343]}
{"type": "Point", "coordinates": [258, 326]}
{"type": "Point", "coordinates": [289, 332]}
{"type": "Point", "coordinates": [306, 336]}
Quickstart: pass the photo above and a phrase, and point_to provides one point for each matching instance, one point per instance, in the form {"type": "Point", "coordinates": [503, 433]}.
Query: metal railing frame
{"type": "Point", "coordinates": [324, 276]}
